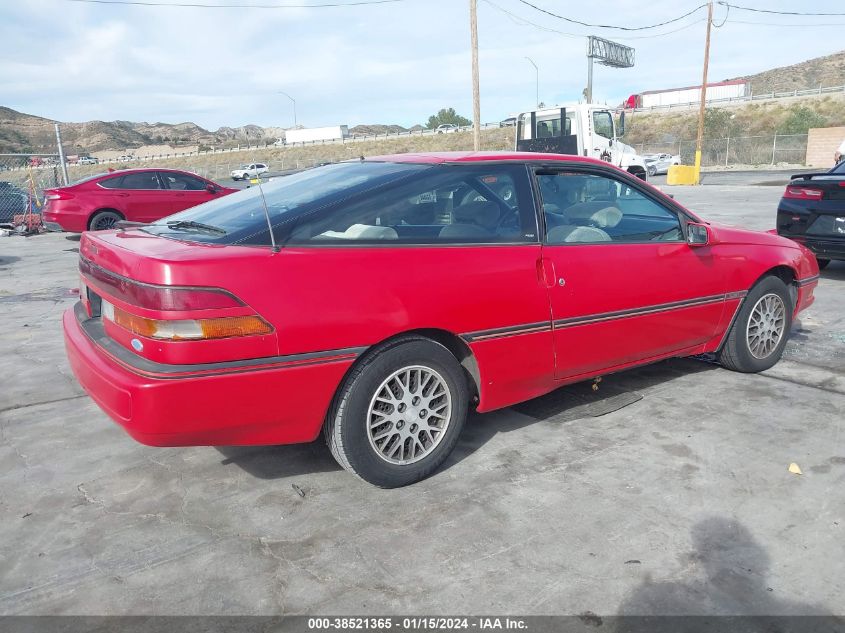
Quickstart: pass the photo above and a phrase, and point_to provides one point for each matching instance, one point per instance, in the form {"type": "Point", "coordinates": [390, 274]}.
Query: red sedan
{"type": "Point", "coordinates": [137, 195]}
{"type": "Point", "coordinates": [378, 300]}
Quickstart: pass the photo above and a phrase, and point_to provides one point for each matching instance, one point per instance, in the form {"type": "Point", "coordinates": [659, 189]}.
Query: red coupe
{"type": "Point", "coordinates": [137, 195]}
{"type": "Point", "coordinates": [378, 300]}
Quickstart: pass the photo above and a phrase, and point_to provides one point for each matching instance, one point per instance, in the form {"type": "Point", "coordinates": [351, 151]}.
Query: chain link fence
{"type": "Point", "coordinates": [23, 179]}
{"type": "Point", "coordinates": [775, 149]}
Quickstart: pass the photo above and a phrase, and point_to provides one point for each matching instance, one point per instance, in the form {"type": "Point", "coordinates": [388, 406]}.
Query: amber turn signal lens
{"type": "Point", "coordinates": [187, 329]}
{"type": "Point", "coordinates": [234, 326]}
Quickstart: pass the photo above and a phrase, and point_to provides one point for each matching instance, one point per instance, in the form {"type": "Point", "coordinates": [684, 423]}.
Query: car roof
{"type": "Point", "coordinates": [140, 170]}
{"type": "Point", "coordinates": [436, 158]}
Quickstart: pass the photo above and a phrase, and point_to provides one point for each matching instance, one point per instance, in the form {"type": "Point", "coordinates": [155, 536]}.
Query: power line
{"type": "Point", "coordinates": [518, 19]}
{"type": "Point", "coordinates": [611, 26]}
{"type": "Point", "coordinates": [782, 24]}
{"type": "Point", "coordinates": [201, 5]}
{"type": "Point", "coordinates": [799, 13]}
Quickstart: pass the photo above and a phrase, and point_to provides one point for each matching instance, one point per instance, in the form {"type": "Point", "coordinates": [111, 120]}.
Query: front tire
{"type": "Point", "coordinates": [398, 415]}
{"type": "Point", "coordinates": [758, 335]}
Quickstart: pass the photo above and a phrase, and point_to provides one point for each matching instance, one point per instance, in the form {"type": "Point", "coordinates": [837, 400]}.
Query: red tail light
{"type": "Point", "coordinates": [802, 193]}
{"type": "Point", "coordinates": [164, 298]}
{"type": "Point", "coordinates": [57, 194]}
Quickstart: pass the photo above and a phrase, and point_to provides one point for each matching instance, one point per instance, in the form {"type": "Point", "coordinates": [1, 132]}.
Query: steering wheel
{"type": "Point", "coordinates": [512, 214]}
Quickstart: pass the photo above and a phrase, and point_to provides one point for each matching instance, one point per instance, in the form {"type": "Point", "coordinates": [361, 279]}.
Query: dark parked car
{"type": "Point", "coordinates": [812, 211]}
{"type": "Point", "coordinates": [13, 201]}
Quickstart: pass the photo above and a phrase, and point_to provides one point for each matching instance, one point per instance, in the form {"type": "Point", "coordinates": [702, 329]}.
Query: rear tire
{"type": "Point", "coordinates": [822, 263]}
{"type": "Point", "coordinates": [759, 333]}
{"type": "Point", "coordinates": [399, 413]}
{"type": "Point", "coordinates": [104, 220]}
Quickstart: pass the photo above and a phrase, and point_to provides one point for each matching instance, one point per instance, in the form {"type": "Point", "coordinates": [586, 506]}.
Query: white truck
{"type": "Point", "coordinates": [581, 129]}
{"type": "Point", "coordinates": [316, 134]}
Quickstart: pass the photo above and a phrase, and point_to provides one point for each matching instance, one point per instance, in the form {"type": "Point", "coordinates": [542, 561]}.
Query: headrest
{"type": "Point", "coordinates": [363, 232]}
{"type": "Point", "coordinates": [600, 213]}
{"type": "Point", "coordinates": [479, 212]}
{"type": "Point", "coordinates": [422, 213]}
{"type": "Point", "coordinates": [568, 233]}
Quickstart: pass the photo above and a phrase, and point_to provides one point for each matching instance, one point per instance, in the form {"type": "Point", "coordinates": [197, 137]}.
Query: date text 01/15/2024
{"type": "Point", "coordinates": [416, 623]}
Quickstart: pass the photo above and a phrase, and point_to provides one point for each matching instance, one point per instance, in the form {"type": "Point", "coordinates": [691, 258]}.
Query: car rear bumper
{"type": "Point", "coordinates": [70, 222]}
{"type": "Point", "coordinates": [822, 247]}
{"type": "Point", "coordinates": [234, 404]}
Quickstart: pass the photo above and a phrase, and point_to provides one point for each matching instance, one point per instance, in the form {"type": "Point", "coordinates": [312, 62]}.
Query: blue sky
{"type": "Point", "coordinates": [388, 63]}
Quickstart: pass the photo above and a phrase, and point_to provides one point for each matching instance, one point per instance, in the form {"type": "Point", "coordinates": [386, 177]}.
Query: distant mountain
{"type": "Point", "coordinates": [26, 133]}
{"type": "Point", "coordinates": [819, 71]}
{"type": "Point", "coordinates": [23, 133]}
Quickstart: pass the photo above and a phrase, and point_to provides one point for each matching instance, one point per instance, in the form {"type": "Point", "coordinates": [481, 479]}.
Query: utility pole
{"type": "Point", "coordinates": [293, 101]}
{"type": "Point", "coordinates": [700, 138]}
{"type": "Point", "coordinates": [61, 154]}
{"type": "Point", "coordinates": [476, 98]}
{"type": "Point", "coordinates": [588, 93]}
{"type": "Point", "coordinates": [537, 71]}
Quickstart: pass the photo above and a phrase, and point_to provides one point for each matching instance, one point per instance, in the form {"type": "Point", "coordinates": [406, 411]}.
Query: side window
{"type": "Point", "coordinates": [111, 183]}
{"type": "Point", "coordinates": [447, 204]}
{"type": "Point", "coordinates": [140, 180]}
{"type": "Point", "coordinates": [181, 182]}
{"type": "Point", "coordinates": [603, 124]}
{"type": "Point", "coordinates": [588, 208]}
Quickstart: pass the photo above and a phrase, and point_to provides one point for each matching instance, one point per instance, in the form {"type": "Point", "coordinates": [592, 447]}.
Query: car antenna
{"type": "Point", "coordinates": [274, 248]}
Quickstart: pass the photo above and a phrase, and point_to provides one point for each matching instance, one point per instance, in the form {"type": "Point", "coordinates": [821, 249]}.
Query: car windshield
{"type": "Point", "coordinates": [240, 217]}
{"type": "Point", "coordinates": [839, 169]}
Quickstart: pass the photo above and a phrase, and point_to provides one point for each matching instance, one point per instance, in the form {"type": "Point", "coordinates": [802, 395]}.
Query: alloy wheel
{"type": "Point", "coordinates": [409, 414]}
{"type": "Point", "coordinates": [766, 326]}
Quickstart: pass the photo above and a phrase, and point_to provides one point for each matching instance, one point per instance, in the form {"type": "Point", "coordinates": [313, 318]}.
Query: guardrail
{"type": "Point", "coordinates": [746, 98]}
{"type": "Point", "coordinates": [352, 138]}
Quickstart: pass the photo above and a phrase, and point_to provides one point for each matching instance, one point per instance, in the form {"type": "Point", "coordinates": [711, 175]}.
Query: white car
{"type": "Point", "coordinates": [87, 160]}
{"type": "Point", "coordinates": [247, 172]}
{"type": "Point", "coordinates": [659, 163]}
{"type": "Point", "coordinates": [446, 128]}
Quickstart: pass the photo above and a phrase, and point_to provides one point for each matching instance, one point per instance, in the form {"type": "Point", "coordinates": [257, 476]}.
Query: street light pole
{"type": "Point", "coordinates": [293, 101]}
{"type": "Point", "coordinates": [537, 72]}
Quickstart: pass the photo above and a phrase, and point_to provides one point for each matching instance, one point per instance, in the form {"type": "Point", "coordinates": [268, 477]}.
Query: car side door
{"type": "Point", "coordinates": [601, 122]}
{"type": "Point", "coordinates": [142, 197]}
{"type": "Point", "coordinates": [624, 284]}
{"type": "Point", "coordinates": [185, 191]}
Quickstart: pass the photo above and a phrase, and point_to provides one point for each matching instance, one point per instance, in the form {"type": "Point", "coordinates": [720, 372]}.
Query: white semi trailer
{"type": "Point", "coordinates": [316, 134]}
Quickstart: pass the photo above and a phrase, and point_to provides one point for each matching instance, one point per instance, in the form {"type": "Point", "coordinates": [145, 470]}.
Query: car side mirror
{"type": "Point", "coordinates": [621, 131]}
{"type": "Point", "coordinates": [698, 234]}
{"type": "Point", "coordinates": [210, 188]}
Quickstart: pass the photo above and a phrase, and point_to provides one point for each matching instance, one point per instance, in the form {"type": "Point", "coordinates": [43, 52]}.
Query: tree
{"type": "Point", "coordinates": [800, 120]}
{"type": "Point", "coordinates": [447, 115]}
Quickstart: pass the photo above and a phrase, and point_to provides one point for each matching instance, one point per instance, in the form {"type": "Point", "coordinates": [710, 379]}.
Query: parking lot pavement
{"type": "Point", "coordinates": [679, 502]}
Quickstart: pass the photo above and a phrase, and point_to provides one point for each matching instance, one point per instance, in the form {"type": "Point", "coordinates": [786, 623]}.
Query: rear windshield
{"type": "Point", "coordinates": [87, 178]}
{"type": "Point", "coordinates": [239, 218]}
{"type": "Point", "coordinates": [839, 169]}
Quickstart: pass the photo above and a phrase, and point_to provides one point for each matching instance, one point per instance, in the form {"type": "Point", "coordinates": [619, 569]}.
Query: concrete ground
{"type": "Point", "coordinates": [678, 503]}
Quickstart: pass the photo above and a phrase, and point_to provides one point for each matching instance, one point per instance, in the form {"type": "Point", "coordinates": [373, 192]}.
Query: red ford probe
{"type": "Point", "coordinates": [396, 292]}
